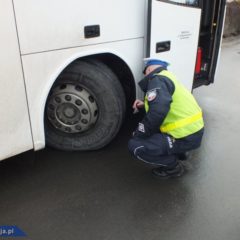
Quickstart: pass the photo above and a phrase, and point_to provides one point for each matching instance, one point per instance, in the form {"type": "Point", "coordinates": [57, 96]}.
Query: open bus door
{"type": "Point", "coordinates": [187, 34]}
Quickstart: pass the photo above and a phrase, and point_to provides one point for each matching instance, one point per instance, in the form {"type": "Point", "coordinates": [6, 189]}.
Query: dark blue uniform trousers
{"type": "Point", "coordinates": [161, 149]}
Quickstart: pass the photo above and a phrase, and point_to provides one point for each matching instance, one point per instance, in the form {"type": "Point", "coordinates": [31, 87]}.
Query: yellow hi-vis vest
{"type": "Point", "coordinates": [185, 116]}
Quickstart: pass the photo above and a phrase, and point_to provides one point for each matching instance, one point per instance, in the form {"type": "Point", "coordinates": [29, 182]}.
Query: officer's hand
{"type": "Point", "coordinates": [137, 104]}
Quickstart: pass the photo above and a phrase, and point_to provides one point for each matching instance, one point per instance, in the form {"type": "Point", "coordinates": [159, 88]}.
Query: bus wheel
{"type": "Point", "coordinates": [85, 107]}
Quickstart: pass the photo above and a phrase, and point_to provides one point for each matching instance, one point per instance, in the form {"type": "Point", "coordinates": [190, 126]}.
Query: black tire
{"type": "Point", "coordinates": [106, 113]}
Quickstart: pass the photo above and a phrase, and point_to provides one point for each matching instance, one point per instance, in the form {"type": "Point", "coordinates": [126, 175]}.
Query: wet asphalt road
{"type": "Point", "coordinates": [108, 195]}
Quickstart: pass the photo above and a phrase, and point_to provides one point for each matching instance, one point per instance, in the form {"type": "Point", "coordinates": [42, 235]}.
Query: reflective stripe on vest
{"type": "Point", "coordinates": [181, 123]}
{"type": "Point", "coordinates": [185, 116]}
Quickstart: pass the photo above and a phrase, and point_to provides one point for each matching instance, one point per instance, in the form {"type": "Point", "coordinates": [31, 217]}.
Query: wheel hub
{"type": "Point", "coordinates": [69, 112]}
{"type": "Point", "coordinates": [72, 109]}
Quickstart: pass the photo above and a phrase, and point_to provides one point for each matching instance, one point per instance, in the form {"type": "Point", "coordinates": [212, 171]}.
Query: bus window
{"type": "Point", "coordinates": [186, 2]}
{"type": "Point", "coordinates": [192, 2]}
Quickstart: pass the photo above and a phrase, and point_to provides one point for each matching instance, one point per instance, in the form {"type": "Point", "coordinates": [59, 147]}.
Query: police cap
{"type": "Point", "coordinates": [154, 61]}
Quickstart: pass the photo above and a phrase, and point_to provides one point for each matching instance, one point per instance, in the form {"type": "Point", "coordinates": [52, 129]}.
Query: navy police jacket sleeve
{"type": "Point", "coordinates": [159, 95]}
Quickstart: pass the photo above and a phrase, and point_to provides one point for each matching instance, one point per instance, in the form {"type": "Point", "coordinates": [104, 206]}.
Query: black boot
{"type": "Point", "coordinates": [163, 172]}
{"type": "Point", "coordinates": [183, 156]}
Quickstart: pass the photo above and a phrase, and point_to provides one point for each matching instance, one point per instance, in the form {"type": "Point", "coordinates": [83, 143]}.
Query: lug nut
{"type": "Point", "coordinates": [78, 128]}
{"type": "Point", "coordinates": [68, 129]}
{"type": "Point", "coordinates": [84, 111]}
{"type": "Point", "coordinates": [91, 99]}
{"type": "Point", "coordinates": [58, 125]}
{"type": "Point", "coordinates": [58, 99]}
{"type": "Point", "coordinates": [78, 102]}
{"type": "Point", "coordinates": [84, 121]}
{"type": "Point", "coordinates": [68, 98]}
{"type": "Point", "coordinates": [78, 88]}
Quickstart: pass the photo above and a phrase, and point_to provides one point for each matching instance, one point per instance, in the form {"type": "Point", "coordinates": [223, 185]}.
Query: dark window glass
{"type": "Point", "coordinates": [186, 2]}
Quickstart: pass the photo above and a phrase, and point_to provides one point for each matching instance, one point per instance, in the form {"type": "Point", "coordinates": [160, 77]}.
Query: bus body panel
{"type": "Point", "coordinates": [42, 69]}
{"type": "Point", "coordinates": [179, 25]}
{"type": "Point", "coordinates": [47, 25]}
{"type": "Point", "coordinates": [15, 133]}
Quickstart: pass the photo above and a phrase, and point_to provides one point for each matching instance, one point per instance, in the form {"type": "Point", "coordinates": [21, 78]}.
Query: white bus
{"type": "Point", "coordinates": [69, 68]}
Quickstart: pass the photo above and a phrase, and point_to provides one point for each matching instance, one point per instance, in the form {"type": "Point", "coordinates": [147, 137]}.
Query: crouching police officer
{"type": "Point", "coordinates": [173, 123]}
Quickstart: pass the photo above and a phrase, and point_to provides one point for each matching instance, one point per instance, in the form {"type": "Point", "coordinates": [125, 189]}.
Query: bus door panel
{"type": "Point", "coordinates": [15, 133]}
{"type": "Point", "coordinates": [173, 34]}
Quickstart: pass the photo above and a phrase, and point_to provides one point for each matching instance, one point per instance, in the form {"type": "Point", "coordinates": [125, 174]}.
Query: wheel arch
{"type": "Point", "coordinates": [113, 60]}
{"type": "Point", "coordinates": [116, 63]}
